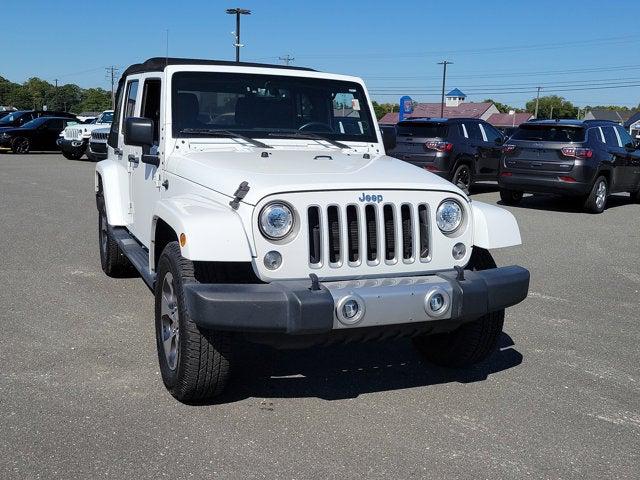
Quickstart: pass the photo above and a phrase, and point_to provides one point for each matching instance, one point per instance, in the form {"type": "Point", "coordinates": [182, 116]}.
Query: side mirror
{"type": "Point", "coordinates": [500, 140]}
{"type": "Point", "coordinates": [389, 139]}
{"type": "Point", "coordinates": [138, 132]}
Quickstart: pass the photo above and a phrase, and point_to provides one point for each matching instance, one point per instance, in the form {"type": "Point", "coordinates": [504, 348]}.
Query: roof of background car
{"type": "Point", "coordinates": [412, 120]}
{"type": "Point", "coordinates": [568, 122]}
{"type": "Point", "coordinates": [158, 64]}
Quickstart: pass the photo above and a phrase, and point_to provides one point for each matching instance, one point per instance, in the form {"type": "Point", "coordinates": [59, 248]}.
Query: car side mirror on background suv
{"type": "Point", "coordinates": [138, 132]}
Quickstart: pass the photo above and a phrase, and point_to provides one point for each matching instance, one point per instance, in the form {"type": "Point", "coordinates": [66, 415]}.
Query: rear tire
{"type": "Point", "coordinates": [195, 363]}
{"type": "Point", "coordinates": [510, 197]}
{"type": "Point", "coordinates": [596, 201]}
{"type": "Point", "coordinates": [113, 262]}
{"type": "Point", "coordinates": [463, 178]}
{"type": "Point", "coordinates": [471, 342]}
{"type": "Point", "coordinates": [21, 145]}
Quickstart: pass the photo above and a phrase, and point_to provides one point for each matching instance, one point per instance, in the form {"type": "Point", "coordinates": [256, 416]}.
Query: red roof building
{"type": "Point", "coordinates": [502, 120]}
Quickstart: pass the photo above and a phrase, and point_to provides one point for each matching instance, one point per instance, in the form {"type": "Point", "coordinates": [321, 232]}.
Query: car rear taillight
{"type": "Point", "coordinates": [567, 179]}
{"type": "Point", "coordinates": [576, 152]}
{"type": "Point", "coordinates": [508, 148]}
{"type": "Point", "coordinates": [506, 174]}
{"type": "Point", "coordinates": [439, 146]}
{"type": "Point", "coordinates": [431, 168]}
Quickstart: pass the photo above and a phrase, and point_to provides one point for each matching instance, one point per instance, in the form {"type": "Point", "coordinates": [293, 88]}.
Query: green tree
{"type": "Point", "coordinates": [381, 109]}
{"type": "Point", "coordinates": [94, 100]}
{"type": "Point", "coordinates": [552, 106]}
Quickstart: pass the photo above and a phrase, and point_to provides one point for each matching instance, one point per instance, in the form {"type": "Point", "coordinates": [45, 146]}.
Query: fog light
{"type": "Point", "coordinates": [350, 309]}
{"type": "Point", "coordinates": [273, 260]}
{"type": "Point", "coordinates": [458, 251]}
{"type": "Point", "coordinates": [436, 303]}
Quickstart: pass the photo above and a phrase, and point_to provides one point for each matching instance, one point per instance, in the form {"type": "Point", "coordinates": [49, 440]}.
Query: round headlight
{"type": "Point", "coordinates": [276, 220]}
{"type": "Point", "coordinates": [449, 216]}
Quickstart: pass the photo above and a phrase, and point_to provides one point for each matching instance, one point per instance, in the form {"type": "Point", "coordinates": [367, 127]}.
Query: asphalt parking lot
{"type": "Point", "coordinates": [81, 395]}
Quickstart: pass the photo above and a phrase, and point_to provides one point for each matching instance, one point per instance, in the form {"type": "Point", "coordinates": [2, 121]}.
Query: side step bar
{"type": "Point", "coordinates": [136, 253]}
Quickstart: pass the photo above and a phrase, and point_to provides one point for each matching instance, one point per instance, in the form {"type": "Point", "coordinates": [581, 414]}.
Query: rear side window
{"type": "Point", "coordinates": [473, 130]}
{"type": "Point", "coordinates": [610, 137]}
{"type": "Point", "coordinates": [491, 133]}
{"type": "Point", "coordinates": [549, 133]}
{"type": "Point", "coordinates": [424, 130]}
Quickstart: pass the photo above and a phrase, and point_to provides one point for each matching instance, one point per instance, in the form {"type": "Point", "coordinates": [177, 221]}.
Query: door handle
{"type": "Point", "coordinates": [134, 159]}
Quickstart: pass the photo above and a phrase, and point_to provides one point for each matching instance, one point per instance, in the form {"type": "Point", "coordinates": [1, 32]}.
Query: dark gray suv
{"type": "Point", "coordinates": [462, 150]}
{"type": "Point", "coordinates": [588, 159]}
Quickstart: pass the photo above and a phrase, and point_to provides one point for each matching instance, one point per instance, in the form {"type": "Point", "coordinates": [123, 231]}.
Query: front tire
{"type": "Point", "coordinates": [73, 155]}
{"type": "Point", "coordinates": [463, 178]}
{"type": "Point", "coordinates": [21, 145]}
{"type": "Point", "coordinates": [195, 363]}
{"type": "Point", "coordinates": [596, 201]}
{"type": "Point", "coordinates": [510, 197]}
{"type": "Point", "coordinates": [471, 342]}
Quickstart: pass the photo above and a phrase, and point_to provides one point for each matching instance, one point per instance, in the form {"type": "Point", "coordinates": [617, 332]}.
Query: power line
{"type": "Point", "coordinates": [112, 71]}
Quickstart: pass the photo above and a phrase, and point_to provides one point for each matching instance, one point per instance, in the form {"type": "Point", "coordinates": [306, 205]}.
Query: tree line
{"type": "Point", "coordinates": [36, 93]}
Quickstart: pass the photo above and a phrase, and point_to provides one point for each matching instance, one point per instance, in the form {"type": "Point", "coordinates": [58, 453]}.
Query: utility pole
{"type": "Point", "coordinates": [551, 115]}
{"type": "Point", "coordinates": [112, 71]}
{"type": "Point", "coordinates": [287, 59]}
{"type": "Point", "coordinates": [237, 12]}
{"type": "Point", "coordinates": [56, 94]}
{"type": "Point", "coordinates": [535, 115]}
{"type": "Point", "coordinates": [444, 64]}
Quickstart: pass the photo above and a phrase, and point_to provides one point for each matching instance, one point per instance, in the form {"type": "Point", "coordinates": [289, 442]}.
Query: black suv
{"type": "Point", "coordinates": [462, 150]}
{"type": "Point", "coordinates": [580, 158]}
{"type": "Point", "coordinates": [20, 117]}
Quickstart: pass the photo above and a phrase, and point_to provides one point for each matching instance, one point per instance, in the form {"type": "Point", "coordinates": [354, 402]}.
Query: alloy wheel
{"type": "Point", "coordinates": [601, 194]}
{"type": "Point", "coordinates": [169, 321]}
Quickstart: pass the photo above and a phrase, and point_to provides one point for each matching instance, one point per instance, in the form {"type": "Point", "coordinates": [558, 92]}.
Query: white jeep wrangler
{"type": "Point", "coordinates": [74, 139]}
{"type": "Point", "coordinates": [258, 204]}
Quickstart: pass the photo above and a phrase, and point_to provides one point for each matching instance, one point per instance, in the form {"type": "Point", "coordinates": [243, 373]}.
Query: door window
{"type": "Point", "coordinates": [151, 104]}
{"type": "Point", "coordinates": [55, 125]}
{"type": "Point", "coordinates": [490, 133]}
{"type": "Point", "coordinates": [624, 137]}
{"type": "Point", "coordinates": [132, 93]}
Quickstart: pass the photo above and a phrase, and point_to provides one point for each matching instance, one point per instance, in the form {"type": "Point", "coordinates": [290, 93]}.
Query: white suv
{"type": "Point", "coordinates": [258, 204]}
{"type": "Point", "coordinates": [74, 139]}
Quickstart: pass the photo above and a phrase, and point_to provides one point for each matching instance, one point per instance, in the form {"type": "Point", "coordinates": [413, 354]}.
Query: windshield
{"type": "Point", "coordinates": [106, 117]}
{"type": "Point", "coordinates": [549, 133]}
{"type": "Point", "coordinates": [35, 122]}
{"type": "Point", "coordinates": [264, 105]}
{"type": "Point", "coordinates": [11, 117]}
{"type": "Point", "coordinates": [424, 130]}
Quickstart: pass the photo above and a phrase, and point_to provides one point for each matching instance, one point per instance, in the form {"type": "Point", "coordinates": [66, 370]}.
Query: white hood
{"type": "Point", "coordinates": [302, 170]}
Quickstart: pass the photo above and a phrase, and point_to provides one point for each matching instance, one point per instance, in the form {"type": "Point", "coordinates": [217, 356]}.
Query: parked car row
{"type": "Point", "coordinates": [22, 131]}
{"type": "Point", "coordinates": [585, 159]}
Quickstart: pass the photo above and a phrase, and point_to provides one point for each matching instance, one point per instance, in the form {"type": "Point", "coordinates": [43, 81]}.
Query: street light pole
{"type": "Point", "coordinates": [444, 63]}
{"type": "Point", "coordinates": [237, 12]}
{"type": "Point", "coordinates": [535, 115]}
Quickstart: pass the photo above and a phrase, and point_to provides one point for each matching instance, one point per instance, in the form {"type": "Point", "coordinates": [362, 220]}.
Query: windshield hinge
{"type": "Point", "coordinates": [241, 192]}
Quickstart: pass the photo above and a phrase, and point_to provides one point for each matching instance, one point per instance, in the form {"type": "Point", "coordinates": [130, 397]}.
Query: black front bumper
{"type": "Point", "coordinates": [72, 146]}
{"type": "Point", "coordinates": [293, 308]}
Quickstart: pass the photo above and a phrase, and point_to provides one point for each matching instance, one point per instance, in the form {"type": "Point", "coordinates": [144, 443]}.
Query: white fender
{"type": "Point", "coordinates": [116, 198]}
{"type": "Point", "coordinates": [494, 227]}
{"type": "Point", "coordinates": [213, 231]}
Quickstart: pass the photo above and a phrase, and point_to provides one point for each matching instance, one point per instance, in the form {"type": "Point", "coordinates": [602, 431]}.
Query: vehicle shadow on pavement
{"type": "Point", "coordinates": [554, 203]}
{"type": "Point", "coordinates": [347, 371]}
{"type": "Point", "coordinates": [479, 188]}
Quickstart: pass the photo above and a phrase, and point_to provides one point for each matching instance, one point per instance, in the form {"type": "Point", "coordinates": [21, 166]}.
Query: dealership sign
{"type": "Point", "coordinates": [406, 107]}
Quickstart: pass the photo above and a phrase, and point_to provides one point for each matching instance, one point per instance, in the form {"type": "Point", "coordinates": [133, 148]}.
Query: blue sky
{"type": "Point", "coordinates": [499, 49]}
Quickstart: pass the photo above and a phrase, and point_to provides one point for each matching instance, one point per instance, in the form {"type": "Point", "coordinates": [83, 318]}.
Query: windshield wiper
{"type": "Point", "coordinates": [309, 136]}
{"type": "Point", "coordinates": [225, 133]}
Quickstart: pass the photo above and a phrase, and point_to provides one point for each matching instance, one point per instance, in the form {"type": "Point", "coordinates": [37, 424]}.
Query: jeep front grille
{"type": "Point", "coordinates": [73, 134]}
{"type": "Point", "coordinates": [369, 234]}
{"type": "Point", "coordinates": [99, 136]}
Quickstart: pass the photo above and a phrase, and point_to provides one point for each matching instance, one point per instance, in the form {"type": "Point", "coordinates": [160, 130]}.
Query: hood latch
{"type": "Point", "coordinates": [241, 192]}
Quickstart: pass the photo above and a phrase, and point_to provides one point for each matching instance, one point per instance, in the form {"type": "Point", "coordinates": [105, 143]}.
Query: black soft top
{"type": "Point", "coordinates": [158, 64]}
